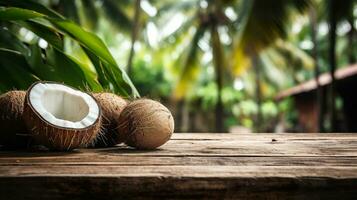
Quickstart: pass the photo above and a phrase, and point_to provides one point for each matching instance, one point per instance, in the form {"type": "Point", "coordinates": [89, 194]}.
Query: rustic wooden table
{"type": "Point", "coordinates": [270, 166]}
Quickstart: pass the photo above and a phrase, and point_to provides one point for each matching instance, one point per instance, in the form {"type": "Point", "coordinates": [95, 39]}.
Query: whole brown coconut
{"type": "Point", "coordinates": [60, 117]}
{"type": "Point", "coordinates": [112, 105]}
{"type": "Point", "coordinates": [146, 124]}
{"type": "Point", "coordinates": [13, 131]}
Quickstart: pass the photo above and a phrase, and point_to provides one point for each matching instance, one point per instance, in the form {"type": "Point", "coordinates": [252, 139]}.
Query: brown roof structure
{"type": "Point", "coordinates": [324, 79]}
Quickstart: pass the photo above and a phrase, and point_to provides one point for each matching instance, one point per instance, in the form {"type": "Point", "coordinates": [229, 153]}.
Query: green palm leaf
{"type": "Point", "coordinates": [47, 33]}
{"type": "Point", "coordinates": [53, 28]}
{"type": "Point", "coordinates": [117, 15]}
{"type": "Point", "coordinates": [14, 71]}
{"type": "Point", "coordinates": [265, 23]}
{"type": "Point", "coordinates": [31, 6]}
{"type": "Point", "coordinates": [91, 13]}
{"type": "Point", "coordinates": [18, 14]}
{"type": "Point", "coordinates": [70, 10]}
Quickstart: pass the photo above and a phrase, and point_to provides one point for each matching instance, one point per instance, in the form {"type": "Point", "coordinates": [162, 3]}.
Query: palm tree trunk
{"type": "Point", "coordinates": [319, 99]}
{"type": "Point", "coordinates": [332, 60]}
{"type": "Point", "coordinates": [134, 35]}
{"type": "Point", "coordinates": [219, 116]}
{"type": "Point", "coordinates": [258, 93]}
{"type": "Point", "coordinates": [218, 61]}
{"type": "Point", "coordinates": [185, 121]}
{"type": "Point", "coordinates": [351, 40]}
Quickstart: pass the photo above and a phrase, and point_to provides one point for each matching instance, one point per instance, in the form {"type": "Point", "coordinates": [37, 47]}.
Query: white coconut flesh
{"type": "Point", "coordinates": [63, 106]}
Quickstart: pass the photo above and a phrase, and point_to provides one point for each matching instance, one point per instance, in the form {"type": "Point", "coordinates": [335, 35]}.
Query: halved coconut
{"type": "Point", "coordinates": [60, 117]}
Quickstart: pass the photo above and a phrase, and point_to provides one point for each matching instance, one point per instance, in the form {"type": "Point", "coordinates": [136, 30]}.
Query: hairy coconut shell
{"type": "Point", "coordinates": [12, 128]}
{"type": "Point", "coordinates": [112, 105]}
{"type": "Point", "coordinates": [56, 137]}
{"type": "Point", "coordinates": [146, 124]}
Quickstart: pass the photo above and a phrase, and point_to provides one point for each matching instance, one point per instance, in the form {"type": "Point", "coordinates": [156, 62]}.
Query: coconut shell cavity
{"type": "Point", "coordinates": [146, 124]}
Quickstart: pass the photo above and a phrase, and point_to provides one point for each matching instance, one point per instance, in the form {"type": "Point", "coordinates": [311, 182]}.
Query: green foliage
{"type": "Point", "coordinates": [19, 14]}
{"type": "Point", "coordinates": [91, 13]}
{"type": "Point", "coordinates": [52, 62]}
{"type": "Point", "coordinates": [341, 9]}
{"type": "Point", "coordinates": [150, 80]}
{"type": "Point", "coordinates": [190, 68]}
{"type": "Point", "coordinates": [261, 27]}
{"type": "Point", "coordinates": [115, 13]}
{"type": "Point", "coordinates": [208, 42]}
{"type": "Point", "coordinates": [15, 69]}
{"type": "Point", "coordinates": [258, 26]}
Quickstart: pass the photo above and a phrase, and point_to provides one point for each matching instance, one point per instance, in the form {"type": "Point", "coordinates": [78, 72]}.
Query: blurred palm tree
{"type": "Point", "coordinates": [253, 25]}
{"type": "Point", "coordinates": [337, 11]}
{"type": "Point", "coordinates": [134, 35]}
{"type": "Point", "coordinates": [319, 95]}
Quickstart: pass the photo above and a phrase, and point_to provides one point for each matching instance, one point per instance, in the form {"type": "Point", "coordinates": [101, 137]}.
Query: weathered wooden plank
{"type": "Point", "coordinates": [114, 160]}
{"type": "Point", "coordinates": [104, 187]}
{"type": "Point", "coordinates": [263, 136]}
{"type": "Point", "coordinates": [230, 166]}
{"type": "Point", "coordinates": [230, 145]}
{"type": "Point", "coordinates": [182, 171]}
{"type": "Point", "coordinates": [180, 182]}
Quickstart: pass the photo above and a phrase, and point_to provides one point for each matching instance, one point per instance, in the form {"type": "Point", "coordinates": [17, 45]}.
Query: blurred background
{"type": "Point", "coordinates": [219, 65]}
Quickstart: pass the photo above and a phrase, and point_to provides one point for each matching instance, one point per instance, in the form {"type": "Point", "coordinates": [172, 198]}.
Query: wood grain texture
{"type": "Point", "coordinates": [191, 166]}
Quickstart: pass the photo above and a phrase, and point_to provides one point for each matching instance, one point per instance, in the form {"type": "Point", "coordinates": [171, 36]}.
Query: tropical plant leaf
{"type": "Point", "coordinates": [32, 6]}
{"type": "Point", "coordinates": [280, 58]}
{"type": "Point", "coordinates": [116, 15]}
{"type": "Point", "coordinates": [274, 73]}
{"type": "Point", "coordinates": [10, 41]}
{"type": "Point", "coordinates": [47, 33]}
{"type": "Point", "coordinates": [98, 49]}
{"type": "Point", "coordinates": [265, 23]}
{"type": "Point", "coordinates": [39, 67]}
{"type": "Point", "coordinates": [18, 14]}
{"type": "Point", "coordinates": [73, 74]}
{"type": "Point", "coordinates": [295, 56]}
{"type": "Point", "coordinates": [107, 76]}
{"type": "Point", "coordinates": [85, 38]}
{"type": "Point", "coordinates": [69, 9]}
{"type": "Point", "coordinates": [91, 13]}
{"type": "Point", "coordinates": [117, 77]}
{"type": "Point", "coordinates": [13, 73]}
